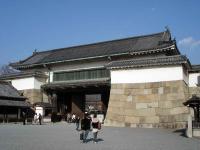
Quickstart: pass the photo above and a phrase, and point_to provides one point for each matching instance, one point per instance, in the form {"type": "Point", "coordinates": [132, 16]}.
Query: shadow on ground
{"type": "Point", "coordinates": [182, 132]}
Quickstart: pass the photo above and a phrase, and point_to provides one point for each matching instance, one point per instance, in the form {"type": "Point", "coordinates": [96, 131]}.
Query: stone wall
{"type": "Point", "coordinates": [158, 104]}
{"type": "Point", "coordinates": [195, 90]}
{"type": "Point", "coordinates": [33, 95]}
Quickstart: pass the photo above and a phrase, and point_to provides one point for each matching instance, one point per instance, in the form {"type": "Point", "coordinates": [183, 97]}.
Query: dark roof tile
{"type": "Point", "coordinates": [134, 44]}
{"type": "Point", "coordinates": [146, 62]}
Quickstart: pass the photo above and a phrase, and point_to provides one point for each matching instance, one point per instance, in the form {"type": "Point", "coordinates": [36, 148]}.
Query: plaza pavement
{"type": "Point", "coordinates": [63, 136]}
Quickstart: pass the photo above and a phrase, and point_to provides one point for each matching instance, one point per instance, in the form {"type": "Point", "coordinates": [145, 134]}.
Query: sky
{"type": "Point", "coordinates": [29, 25]}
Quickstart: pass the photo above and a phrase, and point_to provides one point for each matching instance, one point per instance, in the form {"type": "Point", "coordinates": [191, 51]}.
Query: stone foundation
{"type": "Point", "coordinates": [33, 95]}
{"type": "Point", "coordinates": [148, 105]}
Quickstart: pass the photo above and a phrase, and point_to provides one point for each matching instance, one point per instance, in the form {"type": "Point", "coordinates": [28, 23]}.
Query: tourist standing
{"type": "Point", "coordinates": [96, 126]}
{"type": "Point", "coordinates": [85, 126]}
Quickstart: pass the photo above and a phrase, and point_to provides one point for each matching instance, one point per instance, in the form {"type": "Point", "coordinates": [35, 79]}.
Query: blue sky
{"type": "Point", "coordinates": [26, 25]}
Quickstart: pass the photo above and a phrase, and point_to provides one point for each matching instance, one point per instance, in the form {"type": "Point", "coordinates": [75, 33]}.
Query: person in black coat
{"type": "Point", "coordinates": [85, 126]}
{"type": "Point", "coordinates": [40, 119]}
{"type": "Point", "coordinates": [77, 121]}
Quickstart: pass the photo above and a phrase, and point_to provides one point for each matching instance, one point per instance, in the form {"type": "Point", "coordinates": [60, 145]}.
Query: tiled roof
{"type": "Point", "coordinates": [9, 96]}
{"type": "Point", "coordinates": [7, 91]}
{"type": "Point", "coordinates": [22, 74]}
{"type": "Point", "coordinates": [146, 62]}
{"type": "Point", "coordinates": [195, 68]}
{"type": "Point", "coordinates": [14, 103]}
{"type": "Point", "coordinates": [133, 45]}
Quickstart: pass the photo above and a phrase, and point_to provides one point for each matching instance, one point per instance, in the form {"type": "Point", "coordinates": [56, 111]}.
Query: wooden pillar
{"type": "Point", "coordinates": [18, 113]}
{"type": "Point", "coordinates": [54, 102]}
{"type": "Point", "coordinates": [198, 119]}
{"type": "Point", "coordinates": [4, 117]}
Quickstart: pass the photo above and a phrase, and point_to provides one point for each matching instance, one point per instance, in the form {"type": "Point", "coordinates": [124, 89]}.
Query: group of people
{"type": "Point", "coordinates": [86, 123]}
{"type": "Point", "coordinates": [38, 118]}
{"type": "Point", "coordinates": [34, 119]}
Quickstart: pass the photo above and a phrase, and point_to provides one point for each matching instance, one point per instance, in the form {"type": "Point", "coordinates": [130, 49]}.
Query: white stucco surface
{"type": "Point", "coordinates": [26, 83]}
{"type": "Point", "coordinates": [147, 75]}
{"type": "Point", "coordinates": [193, 79]}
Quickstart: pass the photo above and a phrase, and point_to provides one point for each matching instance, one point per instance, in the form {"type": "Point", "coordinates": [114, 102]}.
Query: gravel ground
{"type": "Point", "coordinates": [63, 136]}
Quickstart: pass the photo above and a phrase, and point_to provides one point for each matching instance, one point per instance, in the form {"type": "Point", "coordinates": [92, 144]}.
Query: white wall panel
{"type": "Point", "coordinates": [23, 84]}
{"type": "Point", "coordinates": [193, 79]}
{"type": "Point", "coordinates": [147, 75]}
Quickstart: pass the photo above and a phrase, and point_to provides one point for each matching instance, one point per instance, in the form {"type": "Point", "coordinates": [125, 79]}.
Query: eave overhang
{"type": "Point", "coordinates": [19, 75]}
{"type": "Point", "coordinates": [150, 62]}
{"type": "Point", "coordinates": [130, 52]}
{"type": "Point", "coordinates": [76, 84]}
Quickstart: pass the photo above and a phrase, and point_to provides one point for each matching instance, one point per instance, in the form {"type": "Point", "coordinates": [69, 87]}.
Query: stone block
{"type": "Point", "coordinates": [163, 111]}
{"type": "Point", "coordinates": [155, 91]}
{"type": "Point", "coordinates": [146, 98]}
{"type": "Point", "coordinates": [181, 117]}
{"type": "Point", "coordinates": [129, 112]}
{"type": "Point", "coordinates": [155, 85]}
{"type": "Point", "coordinates": [146, 105]}
{"type": "Point", "coordinates": [117, 91]}
{"type": "Point", "coordinates": [179, 110]}
{"type": "Point", "coordinates": [147, 91]}
{"type": "Point", "coordinates": [130, 119]}
{"type": "Point", "coordinates": [175, 89]}
{"type": "Point", "coordinates": [167, 90]}
{"type": "Point", "coordinates": [165, 104]}
{"type": "Point", "coordinates": [160, 90]}
{"type": "Point", "coordinates": [145, 112]}
{"type": "Point", "coordinates": [116, 103]}
{"type": "Point", "coordinates": [129, 99]}
{"type": "Point", "coordinates": [129, 105]}
{"type": "Point", "coordinates": [152, 105]}
{"type": "Point", "coordinates": [166, 119]}
{"type": "Point", "coordinates": [141, 105]}
{"type": "Point", "coordinates": [149, 119]}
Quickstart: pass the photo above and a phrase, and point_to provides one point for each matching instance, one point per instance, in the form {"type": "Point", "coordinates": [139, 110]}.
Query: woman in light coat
{"type": "Point", "coordinates": [95, 127]}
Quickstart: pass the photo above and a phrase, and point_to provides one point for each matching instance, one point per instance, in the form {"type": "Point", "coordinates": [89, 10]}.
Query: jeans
{"type": "Point", "coordinates": [77, 126]}
{"type": "Point", "coordinates": [85, 134]}
{"type": "Point", "coordinates": [95, 136]}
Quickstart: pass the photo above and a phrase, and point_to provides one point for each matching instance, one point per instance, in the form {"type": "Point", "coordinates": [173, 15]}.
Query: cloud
{"type": "Point", "coordinates": [189, 42]}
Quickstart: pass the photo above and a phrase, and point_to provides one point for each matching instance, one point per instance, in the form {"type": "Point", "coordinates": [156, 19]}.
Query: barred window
{"type": "Point", "coordinates": [81, 75]}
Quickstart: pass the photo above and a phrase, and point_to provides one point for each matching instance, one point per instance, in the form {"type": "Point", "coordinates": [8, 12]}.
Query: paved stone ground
{"type": "Point", "coordinates": [63, 136]}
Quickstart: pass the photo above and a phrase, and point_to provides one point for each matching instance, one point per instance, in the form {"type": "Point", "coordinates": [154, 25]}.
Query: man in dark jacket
{"type": "Point", "coordinates": [85, 126]}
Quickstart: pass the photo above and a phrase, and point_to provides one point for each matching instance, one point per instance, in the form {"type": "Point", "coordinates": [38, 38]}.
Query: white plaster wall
{"type": "Point", "coordinates": [193, 79]}
{"type": "Point", "coordinates": [38, 83]}
{"type": "Point", "coordinates": [147, 75]}
{"type": "Point", "coordinates": [27, 83]}
{"type": "Point", "coordinates": [23, 84]}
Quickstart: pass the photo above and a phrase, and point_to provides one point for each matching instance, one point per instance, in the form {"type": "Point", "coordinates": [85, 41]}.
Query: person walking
{"type": "Point", "coordinates": [40, 119]}
{"type": "Point", "coordinates": [96, 126]}
{"type": "Point", "coordinates": [85, 126]}
{"type": "Point", "coordinates": [77, 122]}
{"type": "Point", "coordinates": [24, 118]}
